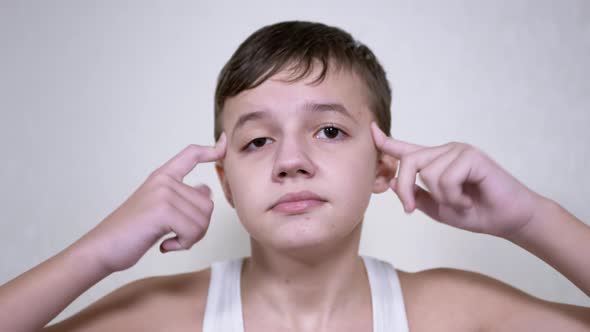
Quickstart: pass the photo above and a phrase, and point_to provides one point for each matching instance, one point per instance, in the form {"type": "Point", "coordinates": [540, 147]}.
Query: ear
{"type": "Point", "coordinates": [386, 169]}
{"type": "Point", "coordinates": [223, 180]}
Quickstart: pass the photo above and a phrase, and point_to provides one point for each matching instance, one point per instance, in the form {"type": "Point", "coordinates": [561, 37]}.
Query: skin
{"type": "Point", "coordinates": [305, 273]}
{"type": "Point", "coordinates": [304, 270]}
{"type": "Point", "coordinates": [302, 266]}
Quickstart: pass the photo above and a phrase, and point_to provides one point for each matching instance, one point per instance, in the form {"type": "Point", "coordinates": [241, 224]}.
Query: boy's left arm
{"type": "Point", "coordinates": [468, 190]}
{"type": "Point", "coordinates": [560, 239]}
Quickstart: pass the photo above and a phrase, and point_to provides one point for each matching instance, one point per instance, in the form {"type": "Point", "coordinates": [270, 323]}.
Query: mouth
{"type": "Point", "coordinates": [297, 202]}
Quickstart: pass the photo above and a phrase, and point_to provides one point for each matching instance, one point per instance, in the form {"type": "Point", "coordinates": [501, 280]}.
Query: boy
{"type": "Point", "coordinates": [301, 115]}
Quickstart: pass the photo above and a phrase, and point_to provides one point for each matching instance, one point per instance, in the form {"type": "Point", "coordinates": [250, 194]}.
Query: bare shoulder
{"type": "Point", "coordinates": [458, 300]}
{"type": "Point", "coordinates": [160, 303]}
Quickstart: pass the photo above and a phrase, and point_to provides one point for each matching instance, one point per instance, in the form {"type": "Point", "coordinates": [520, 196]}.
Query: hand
{"type": "Point", "coordinates": [466, 188]}
{"type": "Point", "coordinates": [162, 204]}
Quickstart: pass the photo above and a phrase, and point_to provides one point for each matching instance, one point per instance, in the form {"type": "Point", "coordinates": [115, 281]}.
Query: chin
{"type": "Point", "coordinates": [308, 234]}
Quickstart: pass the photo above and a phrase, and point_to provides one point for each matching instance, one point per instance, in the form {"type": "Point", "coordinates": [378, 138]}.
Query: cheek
{"type": "Point", "coordinates": [352, 175]}
{"type": "Point", "coordinates": [359, 160]}
{"type": "Point", "coordinates": [244, 180]}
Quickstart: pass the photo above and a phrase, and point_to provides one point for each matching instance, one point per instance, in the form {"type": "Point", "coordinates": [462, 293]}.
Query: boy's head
{"type": "Point", "coordinates": [299, 47]}
{"type": "Point", "coordinates": [296, 101]}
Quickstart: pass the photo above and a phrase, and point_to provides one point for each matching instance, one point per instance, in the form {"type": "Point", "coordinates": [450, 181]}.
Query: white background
{"type": "Point", "coordinates": [96, 95]}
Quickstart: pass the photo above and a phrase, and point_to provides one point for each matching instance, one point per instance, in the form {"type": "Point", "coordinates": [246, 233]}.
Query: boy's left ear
{"type": "Point", "coordinates": [386, 169]}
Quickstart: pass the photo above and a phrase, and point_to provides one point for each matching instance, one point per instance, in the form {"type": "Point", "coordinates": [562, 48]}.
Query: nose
{"type": "Point", "coordinates": [292, 160]}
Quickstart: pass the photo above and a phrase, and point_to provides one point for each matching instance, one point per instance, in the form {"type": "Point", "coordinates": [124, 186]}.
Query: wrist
{"type": "Point", "coordinates": [545, 212]}
{"type": "Point", "coordinates": [83, 255]}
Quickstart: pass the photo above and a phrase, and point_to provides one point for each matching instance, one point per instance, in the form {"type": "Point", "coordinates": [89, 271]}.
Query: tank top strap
{"type": "Point", "coordinates": [389, 313]}
{"type": "Point", "coordinates": [223, 311]}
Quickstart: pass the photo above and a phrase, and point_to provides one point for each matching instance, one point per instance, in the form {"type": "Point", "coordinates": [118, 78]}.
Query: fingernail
{"type": "Point", "coordinates": [173, 245]}
{"type": "Point", "coordinates": [220, 139]}
{"type": "Point", "coordinates": [374, 127]}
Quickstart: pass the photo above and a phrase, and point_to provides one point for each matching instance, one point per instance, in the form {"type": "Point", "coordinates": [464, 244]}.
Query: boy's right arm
{"type": "Point", "coordinates": [162, 204]}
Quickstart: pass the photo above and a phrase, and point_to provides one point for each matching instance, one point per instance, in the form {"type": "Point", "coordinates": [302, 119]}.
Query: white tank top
{"type": "Point", "coordinates": [224, 304]}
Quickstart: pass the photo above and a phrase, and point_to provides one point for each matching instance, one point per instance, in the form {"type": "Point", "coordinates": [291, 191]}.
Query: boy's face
{"type": "Point", "coordinates": [289, 146]}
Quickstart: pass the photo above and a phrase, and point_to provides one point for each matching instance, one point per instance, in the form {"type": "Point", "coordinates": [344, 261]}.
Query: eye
{"type": "Point", "coordinates": [256, 143]}
{"type": "Point", "coordinates": [331, 132]}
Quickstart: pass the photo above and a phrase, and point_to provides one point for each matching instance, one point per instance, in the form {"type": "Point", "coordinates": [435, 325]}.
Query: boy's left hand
{"type": "Point", "coordinates": [467, 189]}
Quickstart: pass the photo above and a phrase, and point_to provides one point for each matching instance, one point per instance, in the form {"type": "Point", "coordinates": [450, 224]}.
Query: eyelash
{"type": "Point", "coordinates": [340, 131]}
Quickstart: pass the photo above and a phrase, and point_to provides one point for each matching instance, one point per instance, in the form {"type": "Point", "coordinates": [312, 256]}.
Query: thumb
{"type": "Point", "coordinates": [170, 244]}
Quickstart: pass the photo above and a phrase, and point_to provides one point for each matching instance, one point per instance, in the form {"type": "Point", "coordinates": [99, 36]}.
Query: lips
{"type": "Point", "coordinates": [297, 201]}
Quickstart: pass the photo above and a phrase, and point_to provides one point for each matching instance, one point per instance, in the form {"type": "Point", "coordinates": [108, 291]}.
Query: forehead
{"type": "Point", "coordinates": [280, 97]}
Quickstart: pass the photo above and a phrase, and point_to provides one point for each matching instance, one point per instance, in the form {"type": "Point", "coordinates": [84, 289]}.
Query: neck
{"type": "Point", "coordinates": [307, 285]}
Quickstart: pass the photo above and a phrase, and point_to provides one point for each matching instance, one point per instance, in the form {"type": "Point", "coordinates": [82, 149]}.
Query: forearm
{"type": "Point", "coordinates": [33, 299]}
{"type": "Point", "coordinates": [561, 240]}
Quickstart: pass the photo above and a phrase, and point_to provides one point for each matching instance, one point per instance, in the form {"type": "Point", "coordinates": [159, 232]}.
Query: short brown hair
{"type": "Point", "coordinates": [271, 48]}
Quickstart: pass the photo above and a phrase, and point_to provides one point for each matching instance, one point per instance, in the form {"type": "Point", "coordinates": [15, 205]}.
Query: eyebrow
{"type": "Point", "coordinates": [308, 107]}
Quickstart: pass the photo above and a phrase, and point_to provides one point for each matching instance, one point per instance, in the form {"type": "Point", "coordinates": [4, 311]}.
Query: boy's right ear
{"type": "Point", "coordinates": [223, 180]}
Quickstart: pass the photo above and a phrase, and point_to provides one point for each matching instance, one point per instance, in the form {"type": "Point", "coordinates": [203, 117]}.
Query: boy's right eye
{"type": "Point", "coordinates": [256, 143]}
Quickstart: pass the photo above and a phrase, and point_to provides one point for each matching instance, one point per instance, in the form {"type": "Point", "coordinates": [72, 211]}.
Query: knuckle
{"type": "Point", "coordinates": [468, 146]}
{"type": "Point", "coordinates": [454, 144]}
{"type": "Point", "coordinates": [165, 208]}
{"type": "Point", "coordinates": [406, 159]}
{"type": "Point", "coordinates": [190, 234]}
{"type": "Point", "coordinates": [426, 176]}
{"type": "Point", "coordinates": [201, 236]}
{"type": "Point", "coordinates": [446, 181]}
{"type": "Point", "coordinates": [449, 144]}
{"type": "Point", "coordinates": [209, 205]}
{"type": "Point", "coordinates": [201, 224]}
{"type": "Point", "coordinates": [445, 195]}
{"type": "Point", "coordinates": [471, 152]}
{"type": "Point", "coordinates": [458, 146]}
{"type": "Point", "coordinates": [163, 193]}
{"type": "Point", "coordinates": [158, 178]}
{"type": "Point", "coordinates": [156, 174]}
{"type": "Point", "coordinates": [195, 234]}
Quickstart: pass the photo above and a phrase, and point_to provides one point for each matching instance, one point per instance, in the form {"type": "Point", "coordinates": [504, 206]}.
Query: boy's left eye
{"type": "Point", "coordinates": [331, 132]}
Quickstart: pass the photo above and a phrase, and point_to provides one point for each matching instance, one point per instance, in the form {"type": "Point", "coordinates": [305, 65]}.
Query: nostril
{"type": "Point", "coordinates": [300, 171]}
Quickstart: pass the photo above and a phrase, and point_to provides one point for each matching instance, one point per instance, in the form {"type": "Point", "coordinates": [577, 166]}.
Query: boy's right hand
{"type": "Point", "coordinates": [162, 204]}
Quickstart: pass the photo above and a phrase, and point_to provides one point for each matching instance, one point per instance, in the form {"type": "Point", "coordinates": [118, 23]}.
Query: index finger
{"type": "Point", "coordinates": [187, 159]}
{"type": "Point", "coordinates": [391, 146]}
